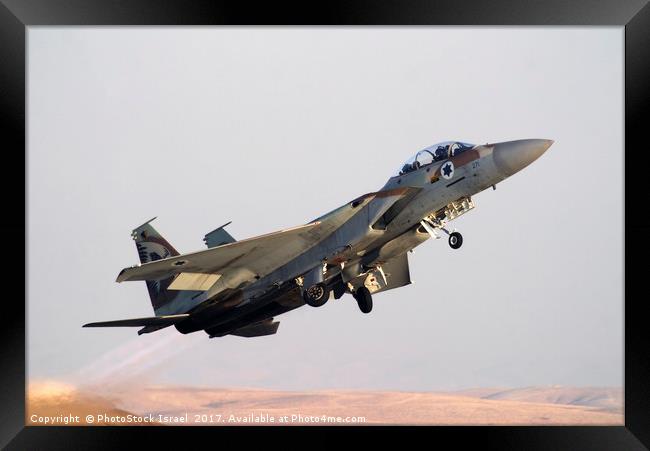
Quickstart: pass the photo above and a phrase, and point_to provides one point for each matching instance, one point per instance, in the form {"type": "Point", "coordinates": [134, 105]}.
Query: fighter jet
{"type": "Point", "coordinates": [361, 248]}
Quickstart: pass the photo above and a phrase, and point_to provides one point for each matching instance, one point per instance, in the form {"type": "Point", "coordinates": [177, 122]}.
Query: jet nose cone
{"type": "Point", "coordinates": [513, 156]}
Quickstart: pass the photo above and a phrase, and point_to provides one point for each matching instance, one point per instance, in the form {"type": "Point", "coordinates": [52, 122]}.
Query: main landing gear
{"type": "Point", "coordinates": [316, 295]}
{"type": "Point", "coordinates": [364, 299]}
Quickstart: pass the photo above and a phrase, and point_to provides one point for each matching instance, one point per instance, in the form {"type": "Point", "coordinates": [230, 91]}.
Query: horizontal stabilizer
{"type": "Point", "coordinates": [163, 321]}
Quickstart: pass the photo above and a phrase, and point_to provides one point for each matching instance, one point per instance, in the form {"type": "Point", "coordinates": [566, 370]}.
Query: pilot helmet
{"type": "Point", "coordinates": [441, 152]}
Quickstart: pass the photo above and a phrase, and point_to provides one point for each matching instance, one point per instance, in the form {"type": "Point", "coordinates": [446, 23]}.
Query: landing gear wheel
{"type": "Point", "coordinates": [316, 295]}
{"type": "Point", "coordinates": [455, 240]}
{"type": "Point", "coordinates": [364, 299]}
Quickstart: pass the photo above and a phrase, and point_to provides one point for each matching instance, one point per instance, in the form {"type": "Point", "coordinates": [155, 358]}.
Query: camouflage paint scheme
{"type": "Point", "coordinates": [238, 287]}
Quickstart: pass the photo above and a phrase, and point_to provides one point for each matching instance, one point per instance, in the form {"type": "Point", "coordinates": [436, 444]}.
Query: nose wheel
{"type": "Point", "coordinates": [455, 240]}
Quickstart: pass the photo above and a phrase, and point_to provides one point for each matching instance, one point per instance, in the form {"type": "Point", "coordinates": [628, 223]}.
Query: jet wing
{"type": "Point", "coordinates": [253, 257]}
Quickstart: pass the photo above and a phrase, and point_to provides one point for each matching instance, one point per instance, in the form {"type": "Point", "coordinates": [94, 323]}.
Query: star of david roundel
{"type": "Point", "coordinates": [447, 170]}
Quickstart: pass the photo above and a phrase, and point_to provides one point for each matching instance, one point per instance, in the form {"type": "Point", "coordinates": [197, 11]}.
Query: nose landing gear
{"type": "Point", "coordinates": [455, 240]}
{"type": "Point", "coordinates": [437, 220]}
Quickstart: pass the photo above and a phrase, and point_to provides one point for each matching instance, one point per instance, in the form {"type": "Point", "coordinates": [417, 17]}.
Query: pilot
{"type": "Point", "coordinates": [458, 148]}
{"type": "Point", "coordinates": [441, 153]}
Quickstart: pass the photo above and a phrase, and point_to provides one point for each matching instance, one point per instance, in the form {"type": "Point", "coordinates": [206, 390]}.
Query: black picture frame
{"type": "Point", "coordinates": [16, 15]}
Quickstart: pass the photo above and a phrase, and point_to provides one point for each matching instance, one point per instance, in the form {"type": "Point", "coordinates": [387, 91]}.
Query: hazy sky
{"type": "Point", "coordinates": [272, 127]}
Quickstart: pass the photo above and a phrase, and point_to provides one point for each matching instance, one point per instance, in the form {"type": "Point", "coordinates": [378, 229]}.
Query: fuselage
{"type": "Point", "coordinates": [387, 224]}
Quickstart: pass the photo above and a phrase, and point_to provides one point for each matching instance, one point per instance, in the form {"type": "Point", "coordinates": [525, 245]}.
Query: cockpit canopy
{"type": "Point", "coordinates": [432, 154]}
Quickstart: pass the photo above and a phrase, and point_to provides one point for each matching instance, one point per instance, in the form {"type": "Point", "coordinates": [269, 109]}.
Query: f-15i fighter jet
{"type": "Point", "coordinates": [238, 287]}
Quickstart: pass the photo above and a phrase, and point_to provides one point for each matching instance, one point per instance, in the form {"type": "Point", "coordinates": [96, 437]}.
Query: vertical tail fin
{"type": "Point", "coordinates": [151, 247]}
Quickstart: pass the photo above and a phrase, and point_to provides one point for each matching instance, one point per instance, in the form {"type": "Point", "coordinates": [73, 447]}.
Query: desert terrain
{"type": "Point", "coordinates": [171, 405]}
